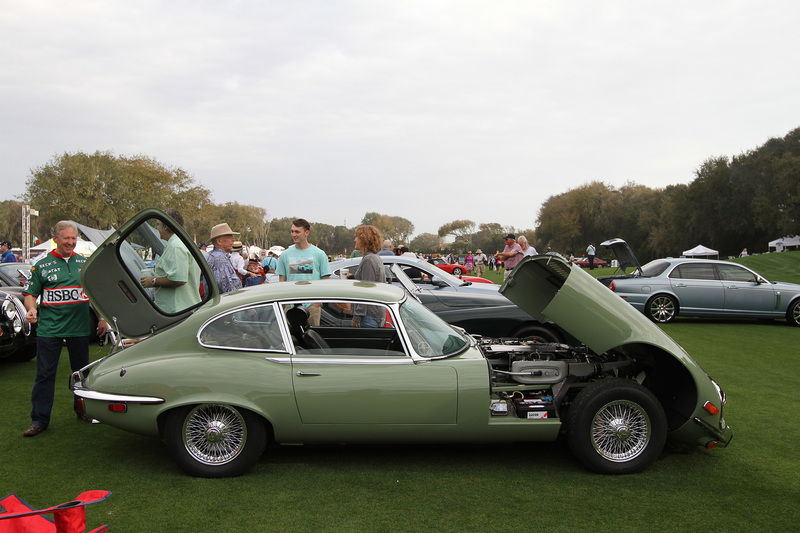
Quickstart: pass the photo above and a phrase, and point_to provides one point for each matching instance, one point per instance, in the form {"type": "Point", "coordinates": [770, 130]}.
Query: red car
{"type": "Point", "coordinates": [456, 270]}
{"type": "Point", "coordinates": [583, 262]}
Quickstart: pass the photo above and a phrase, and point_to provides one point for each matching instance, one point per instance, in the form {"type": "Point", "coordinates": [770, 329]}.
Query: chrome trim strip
{"type": "Point", "coordinates": [108, 397]}
{"type": "Point", "coordinates": [389, 360]}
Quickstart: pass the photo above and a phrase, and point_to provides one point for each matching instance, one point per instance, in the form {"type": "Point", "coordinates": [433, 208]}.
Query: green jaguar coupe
{"type": "Point", "coordinates": [221, 379]}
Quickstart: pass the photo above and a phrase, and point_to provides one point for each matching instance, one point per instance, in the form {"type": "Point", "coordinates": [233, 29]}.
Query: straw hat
{"type": "Point", "coordinates": [222, 229]}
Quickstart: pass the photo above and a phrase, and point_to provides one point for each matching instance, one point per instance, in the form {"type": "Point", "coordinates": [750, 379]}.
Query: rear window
{"type": "Point", "coordinates": [251, 329]}
{"type": "Point", "coordinates": [654, 268]}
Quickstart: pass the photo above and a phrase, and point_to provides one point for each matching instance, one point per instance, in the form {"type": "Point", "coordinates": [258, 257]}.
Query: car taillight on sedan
{"type": "Point", "coordinates": [612, 286]}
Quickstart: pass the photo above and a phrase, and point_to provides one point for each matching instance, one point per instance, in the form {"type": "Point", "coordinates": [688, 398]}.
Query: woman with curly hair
{"type": "Point", "coordinates": [368, 242]}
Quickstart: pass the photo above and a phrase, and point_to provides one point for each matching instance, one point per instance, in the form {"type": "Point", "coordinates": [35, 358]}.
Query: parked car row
{"type": "Point", "coordinates": [664, 289]}
{"type": "Point", "coordinates": [615, 389]}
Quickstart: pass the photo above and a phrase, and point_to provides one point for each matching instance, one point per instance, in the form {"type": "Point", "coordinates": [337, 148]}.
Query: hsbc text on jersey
{"type": "Point", "coordinates": [64, 295]}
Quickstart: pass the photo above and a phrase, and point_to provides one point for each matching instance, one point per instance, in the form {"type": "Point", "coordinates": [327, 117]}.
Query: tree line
{"type": "Point", "coordinates": [733, 203]}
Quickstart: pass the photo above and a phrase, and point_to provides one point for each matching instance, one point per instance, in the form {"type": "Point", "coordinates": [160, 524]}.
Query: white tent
{"type": "Point", "coordinates": [788, 242]}
{"type": "Point", "coordinates": [700, 251]}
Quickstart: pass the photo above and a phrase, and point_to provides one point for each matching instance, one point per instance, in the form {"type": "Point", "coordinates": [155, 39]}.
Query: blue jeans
{"type": "Point", "coordinates": [368, 322]}
{"type": "Point", "coordinates": [48, 352]}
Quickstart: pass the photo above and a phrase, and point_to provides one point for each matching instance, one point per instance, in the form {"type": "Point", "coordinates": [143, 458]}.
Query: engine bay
{"type": "Point", "coordinates": [532, 379]}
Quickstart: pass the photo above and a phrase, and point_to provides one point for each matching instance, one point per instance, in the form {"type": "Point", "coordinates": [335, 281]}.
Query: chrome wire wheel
{"type": "Point", "coordinates": [620, 431]}
{"type": "Point", "coordinates": [616, 426]}
{"type": "Point", "coordinates": [214, 434]}
{"type": "Point", "coordinates": [662, 309]}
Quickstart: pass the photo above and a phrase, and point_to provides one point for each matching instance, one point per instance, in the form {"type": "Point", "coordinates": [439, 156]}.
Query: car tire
{"type": "Point", "coordinates": [616, 426]}
{"type": "Point", "coordinates": [24, 354]}
{"type": "Point", "coordinates": [661, 308]}
{"type": "Point", "coordinates": [793, 314]}
{"type": "Point", "coordinates": [457, 271]}
{"type": "Point", "coordinates": [215, 440]}
{"type": "Point", "coordinates": [539, 333]}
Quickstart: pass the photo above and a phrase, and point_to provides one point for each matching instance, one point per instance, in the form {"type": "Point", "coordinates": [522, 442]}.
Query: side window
{"type": "Point", "coordinates": [254, 328]}
{"type": "Point", "coordinates": [735, 273]}
{"type": "Point", "coordinates": [704, 271]}
{"type": "Point", "coordinates": [343, 328]}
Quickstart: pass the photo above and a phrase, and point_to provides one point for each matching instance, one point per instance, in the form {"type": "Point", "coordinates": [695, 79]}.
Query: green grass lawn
{"type": "Point", "coordinates": [750, 486]}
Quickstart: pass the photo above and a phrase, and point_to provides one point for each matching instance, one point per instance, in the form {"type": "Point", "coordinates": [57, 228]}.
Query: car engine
{"type": "Point", "coordinates": [534, 377]}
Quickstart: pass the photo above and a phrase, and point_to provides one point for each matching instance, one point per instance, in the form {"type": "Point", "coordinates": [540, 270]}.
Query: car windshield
{"type": "Point", "coordinates": [20, 272]}
{"type": "Point", "coordinates": [654, 268]}
{"type": "Point", "coordinates": [429, 334]}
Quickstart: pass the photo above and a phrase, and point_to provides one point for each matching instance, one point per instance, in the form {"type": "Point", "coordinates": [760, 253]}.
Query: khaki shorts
{"type": "Point", "coordinates": [314, 313]}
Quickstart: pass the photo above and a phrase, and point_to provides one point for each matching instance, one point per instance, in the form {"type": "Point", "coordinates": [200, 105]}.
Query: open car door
{"type": "Point", "coordinates": [112, 273]}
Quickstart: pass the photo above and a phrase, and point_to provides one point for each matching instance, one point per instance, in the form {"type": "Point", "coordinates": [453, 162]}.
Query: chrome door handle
{"type": "Point", "coordinates": [300, 374]}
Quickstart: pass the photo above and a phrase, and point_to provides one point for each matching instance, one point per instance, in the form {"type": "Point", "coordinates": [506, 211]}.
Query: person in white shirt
{"type": "Point", "coordinates": [527, 249]}
{"type": "Point", "coordinates": [238, 262]}
{"type": "Point", "coordinates": [590, 253]}
{"type": "Point", "coordinates": [480, 263]}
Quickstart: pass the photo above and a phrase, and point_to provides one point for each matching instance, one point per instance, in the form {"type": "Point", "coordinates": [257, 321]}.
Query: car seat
{"type": "Point", "coordinates": [301, 332]}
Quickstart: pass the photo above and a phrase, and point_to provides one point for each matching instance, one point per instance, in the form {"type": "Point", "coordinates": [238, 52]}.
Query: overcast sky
{"type": "Point", "coordinates": [430, 110]}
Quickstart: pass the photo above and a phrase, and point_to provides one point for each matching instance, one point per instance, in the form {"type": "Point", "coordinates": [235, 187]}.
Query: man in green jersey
{"type": "Point", "coordinates": [63, 316]}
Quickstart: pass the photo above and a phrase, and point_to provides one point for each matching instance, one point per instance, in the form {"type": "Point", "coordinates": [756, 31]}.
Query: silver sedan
{"type": "Point", "coordinates": [666, 288]}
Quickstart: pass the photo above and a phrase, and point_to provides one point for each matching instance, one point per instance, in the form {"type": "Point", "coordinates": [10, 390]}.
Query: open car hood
{"type": "Point", "coordinates": [111, 275]}
{"type": "Point", "coordinates": [624, 255]}
{"type": "Point", "coordinates": [548, 287]}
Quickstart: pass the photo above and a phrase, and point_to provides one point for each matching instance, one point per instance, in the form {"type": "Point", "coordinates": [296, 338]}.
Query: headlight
{"type": "Point", "coordinates": [17, 324]}
{"type": "Point", "coordinates": [9, 310]}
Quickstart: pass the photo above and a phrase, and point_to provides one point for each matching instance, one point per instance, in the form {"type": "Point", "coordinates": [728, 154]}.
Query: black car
{"type": "Point", "coordinates": [17, 335]}
{"type": "Point", "coordinates": [477, 307]}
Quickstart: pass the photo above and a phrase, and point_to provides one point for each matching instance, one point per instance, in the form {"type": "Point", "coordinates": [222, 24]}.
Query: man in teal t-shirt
{"type": "Point", "coordinates": [303, 261]}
